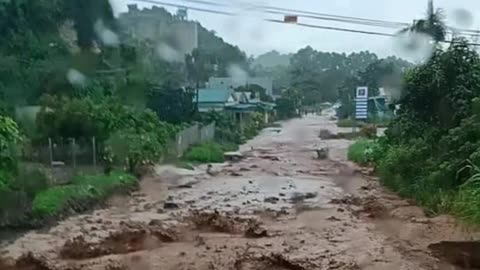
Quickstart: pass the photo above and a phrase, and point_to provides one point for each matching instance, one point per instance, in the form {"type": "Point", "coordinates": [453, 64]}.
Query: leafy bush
{"type": "Point", "coordinates": [30, 180]}
{"type": "Point", "coordinates": [83, 119]}
{"type": "Point", "coordinates": [253, 125]}
{"type": "Point", "coordinates": [207, 152]}
{"type": "Point", "coordinates": [9, 140]}
{"type": "Point", "coordinates": [136, 148]}
{"type": "Point", "coordinates": [369, 131]}
{"type": "Point", "coordinates": [364, 151]}
{"type": "Point", "coordinates": [226, 131]}
{"type": "Point", "coordinates": [84, 190]}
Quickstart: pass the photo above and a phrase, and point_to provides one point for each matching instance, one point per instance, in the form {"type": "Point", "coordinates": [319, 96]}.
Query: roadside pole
{"type": "Point", "coordinates": [361, 106]}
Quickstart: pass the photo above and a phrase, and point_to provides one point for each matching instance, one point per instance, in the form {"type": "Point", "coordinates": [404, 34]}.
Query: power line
{"type": "Point", "coordinates": [280, 21]}
{"type": "Point", "coordinates": [334, 28]}
{"type": "Point", "coordinates": [330, 17]}
{"type": "Point", "coordinates": [306, 14]}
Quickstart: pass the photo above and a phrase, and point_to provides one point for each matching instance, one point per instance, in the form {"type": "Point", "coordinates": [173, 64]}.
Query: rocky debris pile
{"type": "Point", "coordinates": [322, 153]}
{"type": "Point", "coordinates": [255, 229]}
{"type": "Point", "coordinates": [273, 261]}
{"type": "Point", "coordinates": [326, 134]}
{"type": "Point", "coordinates": [233, 156]}
{"type": "Point", "coordinates": [371, 207]}
{"type": "Point", "coordinates": [348, 200]}
{"type": "Point", "coordinates": [27, 261]}
{"type": "Point", "coordinates": [130, 238]}
{"type": "Point", "coordinates": [465, 254]}
{"type": "Point", "coordinates": [227, 223]}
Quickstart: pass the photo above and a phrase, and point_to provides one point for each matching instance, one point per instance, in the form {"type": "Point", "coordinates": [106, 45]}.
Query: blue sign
{"type": "Point", "coordinates": [361, 103]}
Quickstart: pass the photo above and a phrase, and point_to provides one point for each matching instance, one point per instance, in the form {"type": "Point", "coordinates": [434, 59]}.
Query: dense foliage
{"type": "Point", "coordinates": [208, 152]}
{"type": "Point", "coordinates": [288, 104]}
{"type": "Point", "coordinates": [431, 149]}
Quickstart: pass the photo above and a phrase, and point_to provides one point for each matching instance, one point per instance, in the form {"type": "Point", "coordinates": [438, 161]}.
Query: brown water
{"type": "Point", "coordinates": [279, 208]}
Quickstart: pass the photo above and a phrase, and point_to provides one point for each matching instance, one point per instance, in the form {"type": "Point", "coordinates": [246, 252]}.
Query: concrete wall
{"type": "Point", "coordinates": [193, 135]}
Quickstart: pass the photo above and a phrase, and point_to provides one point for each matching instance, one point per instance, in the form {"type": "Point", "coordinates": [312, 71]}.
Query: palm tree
{"type": "Point", "coordinates": [433, 24]}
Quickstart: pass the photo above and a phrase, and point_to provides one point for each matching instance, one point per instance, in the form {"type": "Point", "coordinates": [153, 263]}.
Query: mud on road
{"type": "Point", "coordinates": [279, 208]}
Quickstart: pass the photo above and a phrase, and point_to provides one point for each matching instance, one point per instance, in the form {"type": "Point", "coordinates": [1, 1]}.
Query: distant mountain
{"type": "Point", "coordinates": [272, 59]}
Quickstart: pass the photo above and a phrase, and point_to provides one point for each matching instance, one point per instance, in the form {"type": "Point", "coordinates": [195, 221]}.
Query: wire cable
{"type": "Point", "coordinates": [219, 12]}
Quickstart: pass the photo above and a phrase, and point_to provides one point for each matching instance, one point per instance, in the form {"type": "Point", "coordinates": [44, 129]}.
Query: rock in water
{"type": "Point", "coordinates": [322, 153]}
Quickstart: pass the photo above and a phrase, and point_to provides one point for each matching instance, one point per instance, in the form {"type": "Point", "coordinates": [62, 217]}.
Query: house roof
{"type": "Point", "coordinates": [214, 95]}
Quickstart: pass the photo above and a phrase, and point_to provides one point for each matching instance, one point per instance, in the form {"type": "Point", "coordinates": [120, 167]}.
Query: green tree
{"type": "Point", "coordinates": [175, 106]}
{"type": "Point", "coordinates": [288, 104]}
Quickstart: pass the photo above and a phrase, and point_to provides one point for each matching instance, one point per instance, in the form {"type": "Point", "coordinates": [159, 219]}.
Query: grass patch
{"type": "Point", "coordinates": [466, 204]}
{"type": "Point", "coordinates": [206, 153]}
{"type": "Point", "coordinates": [346, 123]}
{"type": "Point", "coordinates": [85, 190]}
{"type": "Point", "coordinates": [363, 151]}
{"type": "Point", "coordinates": [350, 123]}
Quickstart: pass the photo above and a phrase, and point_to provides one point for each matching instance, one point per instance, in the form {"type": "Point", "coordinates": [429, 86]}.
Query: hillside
{"type": "Point", "coordinates": [272, 59]}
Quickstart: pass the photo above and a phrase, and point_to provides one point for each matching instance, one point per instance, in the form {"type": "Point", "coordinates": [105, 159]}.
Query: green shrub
{"type": "Point", "coordinates": [85, 189]}
{"type": "Point", "coordinates": [253, 125]}
{"type": "Point", "coordinates": [135, 148]}
{"type": "Point", "coordinates": [467, 202]}
{"type": "Point", "coordinates": [9, 140]}
{"type": "Point", "coordinates": [348, 122]}
{"type": "Point", "coordinates": [364, 151]}
{"type": "Point", "coordinates": [207, 152]}
{"type": "Point", "coordinates": [31, 180]}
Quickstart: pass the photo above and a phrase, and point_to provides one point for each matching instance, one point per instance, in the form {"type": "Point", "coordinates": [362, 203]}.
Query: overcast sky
{"type": "Point", "coordinates": [255, 36]}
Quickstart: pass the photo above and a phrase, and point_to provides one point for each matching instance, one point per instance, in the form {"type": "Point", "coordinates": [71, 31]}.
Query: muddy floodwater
{"type": "Point", "coordinates": [278, 208]}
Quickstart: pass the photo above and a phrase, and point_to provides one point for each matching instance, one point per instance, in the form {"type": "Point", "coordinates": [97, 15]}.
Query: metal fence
{"type": "Point", "coordinates": [196, 134]}
{"type": "Point", "coordinates": [65, 158]}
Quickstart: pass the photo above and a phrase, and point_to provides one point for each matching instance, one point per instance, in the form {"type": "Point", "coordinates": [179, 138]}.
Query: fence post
{"type": "Point", "coordinates": [50, 151]}
{"type": "Point", "coordinates": [74, 158]}
{"type": "Point", "coordinates": [94, 149]}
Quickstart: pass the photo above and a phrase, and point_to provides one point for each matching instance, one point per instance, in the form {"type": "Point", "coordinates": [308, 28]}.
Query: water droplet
{"type": "Point", "coordinates": [75, 77]}
{"type": "Point", "coordinates": [414, 46]}
{"type": "Point", "coordinates": [107, 36]}
{"type": "Point", "coordinates": [462, 17]}
{"type": "Point", "coordinates": [168, 53]}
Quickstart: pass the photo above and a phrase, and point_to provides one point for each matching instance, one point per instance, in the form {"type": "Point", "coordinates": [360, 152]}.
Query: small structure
{"type": "Point", "coordinates": [214, 99]}
{"type": "Point", "coordinates": [247, 103]}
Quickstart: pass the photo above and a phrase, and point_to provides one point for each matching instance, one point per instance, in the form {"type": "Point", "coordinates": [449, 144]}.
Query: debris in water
{"type": "Point", "coordinates": [326, 134]}
{"type": "Point", "coordinates": [322, 153]}
{"type": "Point", "coordinates": [170, 205]}
{"type": "Point", "coordinates": [271, 261]}
{"type": "Point", "coordinates": [255, 230]}
{"type": "Point", "coordinates": [461, 253]}
{"type": "Point", "coordinates": [271, 199]}
{"type": "Point", "coordinates": [233, 156]}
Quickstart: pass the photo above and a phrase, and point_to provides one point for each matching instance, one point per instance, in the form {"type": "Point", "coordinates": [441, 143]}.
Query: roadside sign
{"type": "Point", "coordinates": [290, 19]}
{"type": "Point", "coordinates": [361, 103]}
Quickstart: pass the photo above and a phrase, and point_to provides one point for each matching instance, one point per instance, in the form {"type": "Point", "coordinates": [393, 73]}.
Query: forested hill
{"type": "Point", "coordinates": [42, 40]}
{"type": "Point", "coordinates": [329, 76]}
{"type": "Point", "coordinates": [272, 59]}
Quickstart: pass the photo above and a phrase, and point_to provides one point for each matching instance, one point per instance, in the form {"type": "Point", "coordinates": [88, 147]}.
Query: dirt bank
{"type": "Point", "coordinates": [279, 208]}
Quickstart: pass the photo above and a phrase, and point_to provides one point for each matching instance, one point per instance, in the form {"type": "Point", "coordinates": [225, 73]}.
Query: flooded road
{"type": "Point", "coordinates": [278, 208]}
